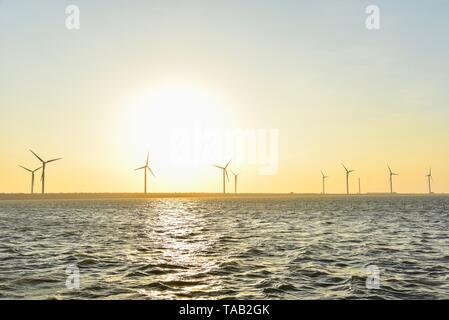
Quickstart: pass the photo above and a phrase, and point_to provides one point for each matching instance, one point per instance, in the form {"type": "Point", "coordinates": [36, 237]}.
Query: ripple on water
{"type": "Point", "coordinates": [277, 248]}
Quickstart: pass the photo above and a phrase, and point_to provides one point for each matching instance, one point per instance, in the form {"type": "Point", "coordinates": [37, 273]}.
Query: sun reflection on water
{"type": "Point", "coordinates": [176, 231]}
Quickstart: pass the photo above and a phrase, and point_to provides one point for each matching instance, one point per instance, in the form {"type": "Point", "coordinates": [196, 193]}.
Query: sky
{"type": "Point", "coordinates": [306, 80]}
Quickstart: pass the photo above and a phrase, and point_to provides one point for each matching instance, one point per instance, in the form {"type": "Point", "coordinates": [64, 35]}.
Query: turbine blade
{"type": "Point", "coordinates": [148, 157]}
{"type": "Point", "coordinates": [151, 171]}
{"type": "Point", "coordinates": [40, 159]}
{"type": "Point", "coordinates": [25, 168]}
{"type": "Point", "coordinates": [37, 169]}
{"type": "Point", "coordinates": [218, 167]}
{"type": "Point", "coordinates": [344, 167]}
{"type": "Point", "coordinates": [226, 172]}
{"type": "Point", "coordinates": [140, 168]}
{"type": "Point", "coordinates": [228, 163]}
{"type": "Point", "coordinates": [389, 169]}
{"type": "Point", "coordinates": [53, 160]}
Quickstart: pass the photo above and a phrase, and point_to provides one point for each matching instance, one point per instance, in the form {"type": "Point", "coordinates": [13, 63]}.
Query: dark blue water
{"type": "Point", "coordinates": [246, 248]}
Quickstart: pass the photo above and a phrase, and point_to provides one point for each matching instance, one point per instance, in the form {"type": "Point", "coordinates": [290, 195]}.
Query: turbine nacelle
{"type": "Point", "coordinates": [29, 170]}
{"type": "Point", "coordinates": [323, 175]}
{"type": "Point", "coordinates": [146, 167]}
{"type": "Point", "coordinates": [346, 169]}
{"type": "Point", "coordinates": [225, 169]}
{"type": "Point", "coordinates": [43, 161]}
{"type": "Point", "coordinates": [391, 172]}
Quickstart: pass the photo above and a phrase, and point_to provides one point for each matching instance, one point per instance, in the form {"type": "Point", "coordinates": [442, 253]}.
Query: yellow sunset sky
{"type": "Point", "coordinates": [146, 77]}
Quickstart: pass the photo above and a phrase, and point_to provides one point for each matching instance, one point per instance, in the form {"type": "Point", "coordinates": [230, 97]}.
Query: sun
{"type": "Point", "coordinates": [152, 115]}
{"type": "Point", "coordinates": [172, 105]}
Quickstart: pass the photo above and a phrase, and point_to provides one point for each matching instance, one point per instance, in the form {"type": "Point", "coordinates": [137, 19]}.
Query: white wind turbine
{"type": "Point", "coordinates": [391, 178]}
{"type": "Point", "coordinates": [324, 177]}
{"type": "Point", "coordinates": [236, 175]}
{"type": "Point", "coordinates": [429, 180]}
{"type": "Point", "coordinates": [145, 168]}
{"type": "Point", "coordinates": [348, 172]}
{"type": "Point", "coordinates": [225, 174]}
{"type": "Point", "coordinates": [44, 163]}
{"type": "Point", "coordinates": [32, 176]}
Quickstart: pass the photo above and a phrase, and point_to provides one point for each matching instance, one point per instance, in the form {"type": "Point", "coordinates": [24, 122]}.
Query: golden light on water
{"type": "Point", "coordinates": [177, 235]}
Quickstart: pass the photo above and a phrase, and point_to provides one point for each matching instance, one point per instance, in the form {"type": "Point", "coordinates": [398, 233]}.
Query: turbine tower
{"type": "Point", "coordinates": [225, 174]}
{"type": "Point", "coordinates": [348, 172]}
{"type": "Point", "coordinates": [391, 178]}
{"type": "Point", "coordinates": [324, 177]}
{"type": "Point", "coordinates": [145, 168]}
{"type": "Point", "coordinates": [235, 180]}
{"type": "Point", "coordinates": [360, 187]}
{"type": "Point", "coordinates": [32, 176]}
{"type": "Point", "coordinates": [44, 163]}
{"type": "Point", "coordinates": [429, 180]}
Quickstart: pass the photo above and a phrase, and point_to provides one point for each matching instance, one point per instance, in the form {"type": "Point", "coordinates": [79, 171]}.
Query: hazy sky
{"type": "Point", "coordinates": [140, 75]}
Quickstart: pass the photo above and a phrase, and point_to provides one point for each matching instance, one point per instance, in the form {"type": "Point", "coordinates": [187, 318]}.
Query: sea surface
{"type": "Point", "coordinates": [292, 247]}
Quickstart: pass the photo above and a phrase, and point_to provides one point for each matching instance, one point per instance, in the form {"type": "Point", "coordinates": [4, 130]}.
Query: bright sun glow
{"type": "Point", "coordinates": [154, 114]}
{"type": "Point", "coordinates": [152, 117]}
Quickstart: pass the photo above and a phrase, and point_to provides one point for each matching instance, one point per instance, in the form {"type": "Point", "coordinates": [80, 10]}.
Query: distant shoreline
{"type": "Point", "coordinates": [199, 195]}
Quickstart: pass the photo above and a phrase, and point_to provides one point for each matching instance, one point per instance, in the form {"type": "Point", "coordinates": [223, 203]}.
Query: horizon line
{"type": "Point", "coordinates": [140, 195]}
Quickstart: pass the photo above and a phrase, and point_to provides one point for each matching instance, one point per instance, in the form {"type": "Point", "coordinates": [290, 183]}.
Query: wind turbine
{"type": "Point", "coordinates": [324, 177]}
{"type": "Point", "coordinates": [391, 178]}
{"type": "Point", "coordinates": [429, 180]}
{"type": "Point", "coordinates": [32, 176]}
{"type": "Point", "coordinates": [145, 168]}
{"type": "Point", "coordinates": [347, 177]}
{"type": "Point", "coordinates": [235, 181]}
{"type": "Point", "coordinates": [225, 174]}
{"type": "Point", "coordinates": [44, 163]}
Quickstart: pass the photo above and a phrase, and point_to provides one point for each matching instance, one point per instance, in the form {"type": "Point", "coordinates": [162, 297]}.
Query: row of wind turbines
{"type": "Point", "coordinates": [43, 165]}
{"type": "Point", "coordinates": [391, 175]}
{"type": "Point", "coordinates": [324, 177]}
{"type": "Point", "coordinates": [146, 169]}
{"type": "Point", "coordinates": [225, 173]}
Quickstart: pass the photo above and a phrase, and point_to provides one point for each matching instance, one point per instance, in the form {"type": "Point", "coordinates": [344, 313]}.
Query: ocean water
{"type": "Point", "coordinates": [292, 247]}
